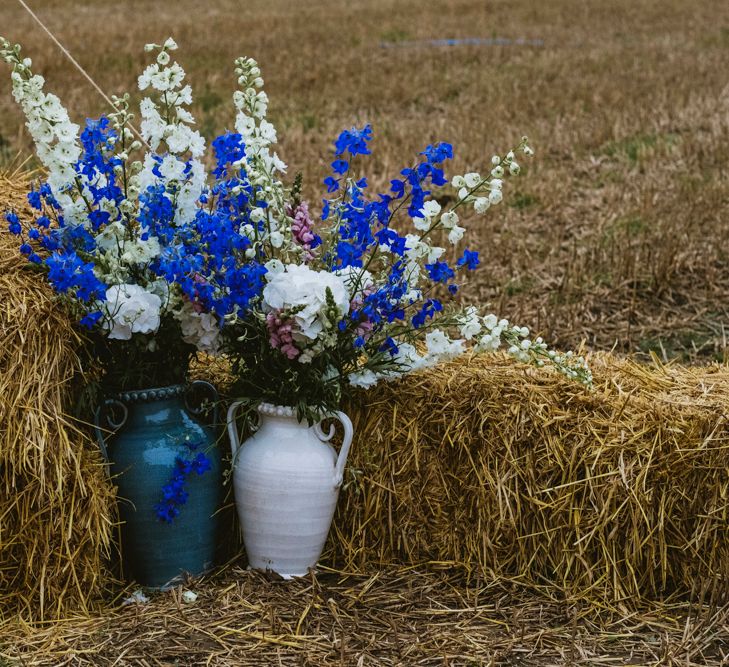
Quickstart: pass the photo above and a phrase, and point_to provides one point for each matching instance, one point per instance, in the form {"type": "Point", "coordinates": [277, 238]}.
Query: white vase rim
{"type": "Point", "coordinates": [276, 410]}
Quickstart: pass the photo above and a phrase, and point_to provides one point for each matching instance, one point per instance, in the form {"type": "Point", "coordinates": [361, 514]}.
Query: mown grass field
{"type": "Point", "coordinates": [616, 235]}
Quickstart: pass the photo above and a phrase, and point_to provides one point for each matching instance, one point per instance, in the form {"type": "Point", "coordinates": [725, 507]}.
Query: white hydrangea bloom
{"type": "Point", "coordinates": [304, 289]}
{"type": "Point", "coordinates": [363, 379]}
{"type": "Point", "coordinates": [130, 309]}
{"type": "Point", "coordinates": [274, 266]}
{"type": "Point", "coordinates": [199, 329]}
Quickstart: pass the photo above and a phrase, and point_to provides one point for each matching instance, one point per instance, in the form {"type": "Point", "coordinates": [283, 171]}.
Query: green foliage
{"type": "Point", "coordinates": [522, 200]}
{"type": "Point", "coordinates": [634, 147]}
{"type": "Point", "coordinates": [395, 35]}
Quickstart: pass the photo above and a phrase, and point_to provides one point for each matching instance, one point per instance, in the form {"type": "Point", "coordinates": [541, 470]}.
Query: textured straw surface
{"type": "Point", "coordinates": [405, 617]}
{"type": "Point", "coordinates": [612, 497]}
{"type": "Point", "coordinates": [55, 526]}
{"type": "Point", "coordinates": [616, 495]}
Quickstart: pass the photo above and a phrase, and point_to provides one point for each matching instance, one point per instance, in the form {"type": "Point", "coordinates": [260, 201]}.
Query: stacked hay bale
{"type": "Point", "coordinates": [55, 500]}
{"type": "Point", "coordinates": [617, 495]}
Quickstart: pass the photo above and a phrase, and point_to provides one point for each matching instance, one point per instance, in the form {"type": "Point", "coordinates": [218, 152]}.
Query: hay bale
{"type": "Point", "coordinates": [618, 495]}
{"type": "Point", "coordinates": [615, 496]}
{"type": "Point", "coordinates": [55, 502]}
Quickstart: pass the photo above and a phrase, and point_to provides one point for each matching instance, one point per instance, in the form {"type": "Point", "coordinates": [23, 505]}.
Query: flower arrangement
{"type": "Point", "coordinates": [308, 306]}
{"type": "Point", "coordinates": [103, 221]}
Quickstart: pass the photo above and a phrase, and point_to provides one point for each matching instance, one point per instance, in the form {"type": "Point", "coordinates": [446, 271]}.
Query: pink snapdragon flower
{"type": "Point", "coordinates": [280, 334]}
{"type": "Point", "coordinates": [301, 229]}
{"type": "Point", "coordinates": [364, 328]}
{"type": "Point", "coordinates": [196, 305]}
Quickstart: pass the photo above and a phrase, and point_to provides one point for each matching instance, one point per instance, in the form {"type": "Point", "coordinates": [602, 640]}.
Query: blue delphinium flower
{"type": "Point", "coordinates": [354, 141]}
{"type": "Point", "coordinates": [68, 272]}
{"type": "Point", "coordinates": [13, 223]}
{"type": "Point", "coordinates": [469, 259]}
{"type": "Point", "coordinates": [174, 494]}
{"type": "Point", "coordinates": [440, 272]}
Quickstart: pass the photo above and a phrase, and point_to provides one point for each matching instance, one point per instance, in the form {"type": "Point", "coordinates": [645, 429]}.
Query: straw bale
{"type": "Point", "coordinates": [55, 502]}
{"type": "Point", "coordinates": [618, 495]}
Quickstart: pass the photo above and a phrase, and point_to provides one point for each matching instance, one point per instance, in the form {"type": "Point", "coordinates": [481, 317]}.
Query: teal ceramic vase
{"type": "Point", "coordinates": [168, 495]}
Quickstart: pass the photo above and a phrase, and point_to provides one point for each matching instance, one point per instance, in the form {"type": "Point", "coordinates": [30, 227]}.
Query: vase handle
{"type": "Point", "coordinates": [100, 413]}
{"type": "Point", "coordinates": [197, 411]}
{"type": "Point", "coordinates": [233, 434]}
{"type": "Point", "coordinates": [346, 443]}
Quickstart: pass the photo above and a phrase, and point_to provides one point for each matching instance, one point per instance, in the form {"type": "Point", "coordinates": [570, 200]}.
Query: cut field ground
{"type": "Point", "coordinates": [617, 232]}
{"type": "Point", "coordinates": [403, 617]}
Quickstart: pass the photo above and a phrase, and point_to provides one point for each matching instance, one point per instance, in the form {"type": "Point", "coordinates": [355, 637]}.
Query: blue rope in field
{"type": "Point", "coordinates": [468, 41]}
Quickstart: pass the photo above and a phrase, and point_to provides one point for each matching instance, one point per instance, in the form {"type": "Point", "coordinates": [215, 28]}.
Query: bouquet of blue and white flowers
{"type": "Point", "coordinates": [104, 220]}
{"type": "Point", "coordinates": [307, 306]}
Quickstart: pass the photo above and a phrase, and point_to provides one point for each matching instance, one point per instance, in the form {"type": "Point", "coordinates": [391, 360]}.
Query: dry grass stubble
{"type": "Point", "coordinates": [616, 236]}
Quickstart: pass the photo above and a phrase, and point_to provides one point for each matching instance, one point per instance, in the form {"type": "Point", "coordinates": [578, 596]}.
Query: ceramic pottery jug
{"type": "Point", "coordinates": [168, 495]}
{"type": "Point", "coordinates": [286, 479]}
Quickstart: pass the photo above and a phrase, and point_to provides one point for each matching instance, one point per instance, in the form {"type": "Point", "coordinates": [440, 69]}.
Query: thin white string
{"type": "Point", "coordinates": [65, 51]}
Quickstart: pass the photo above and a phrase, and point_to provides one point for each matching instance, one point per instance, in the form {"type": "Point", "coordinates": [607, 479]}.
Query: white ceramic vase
{"type": "Point", "coordinates": [286, 479]}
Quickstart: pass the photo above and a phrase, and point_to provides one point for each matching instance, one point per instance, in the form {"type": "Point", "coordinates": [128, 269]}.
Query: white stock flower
{"type": "Point", "coordinates": [47, 121]}
{"type": "Point", "coordinates": [481, 205]}
{"type": "Point", "coordinates": [488, 343]}
{"type": "Point", "coordinates": [276, 239]}
{"type": "Point", "coordinates": [409, 359]}
{"type": "Point", "coordinates": [456, 234]}
{"type": "Point", "coordinates": [441, 346]}
{"type": "Point", "coordinates": [421, 224]}
{"type": "Point", "coordinates": [257, 214]}
{"type": "Point", "coordinates": [430, 209]}
{"type": "Point", "coordinates": [414, 247]}
{"type": "Point", "coordinates": [139, 251]}
{"type": "Point", "coordinates": [424, 221]}
{"type": "Point", "coordinates": [449, 219]}
{"type": "Point", "coordinates": [111, 236]}
{"type": "Point", "coordinates": [434, 254]}
{"type": "Point", "coordinates": [470, 323]}
{"type": "Point", "coordinates": [472, 180]}
{"type": "Point", "coordinates": [490, 321]}
{"type": "Point", "coordinates": [144, 80]}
